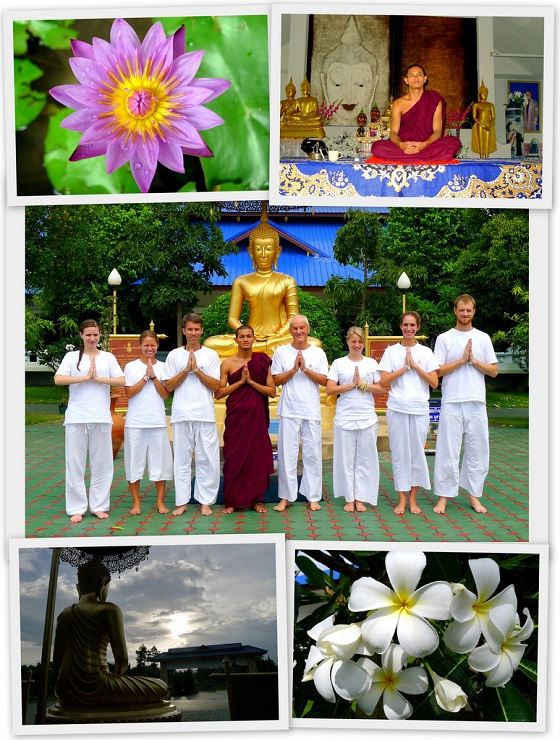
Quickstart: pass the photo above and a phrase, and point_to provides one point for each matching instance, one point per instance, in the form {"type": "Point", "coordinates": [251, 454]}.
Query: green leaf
{"type": "Point", "coordinates": [28, 102]}
{"type": "Point", "coordinates": [529, 668]}
{"type": "Point", "coordinates": [54, 34]}
{"type": "Point", "coordinates": [88, 176]}
{"type": "Point", "coordinates": [506, 705]}
{"type": "Point", "coordinates": [315, 576]}
{"type": "Point", "coordinates": [236, 48]}
{"type": "Point", "coordinates": [20, 38]}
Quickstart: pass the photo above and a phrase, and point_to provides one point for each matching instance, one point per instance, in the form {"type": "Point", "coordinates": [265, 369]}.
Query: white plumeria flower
{"type": "Point", "coordinates": [499, 666]}
{"type": "Point", "coordinates": [69, 347]}
{"type": "Point", "coordinates": [329, 663]}
{"type": "Point", "coordinates": [404, 609]}
{"type": "Point", "coordinates": [388, 680]}
{"type": "Point", "coordinates": [449, 695]}
{"type": "Point", "coordinates": [472, 613]}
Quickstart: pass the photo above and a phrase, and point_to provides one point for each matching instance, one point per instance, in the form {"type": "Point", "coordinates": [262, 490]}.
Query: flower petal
{"type": "Point", "coordinates": [502, 673]}
{"type": "Point", "coordinates": [203, 118]}
{"type": "Point", "coordinates": [404, 569]}
{"type": "Point", "coordinates": [378, 629]}
{"type": "Point", "coordinates": [367, 593]}
{"type": "Point", "coordinates": [416, 635]}
{"type": "Point", "coordinates": [322, 680]}
{"type": "Point", "coordinates": [393, 659]}
{"type": "Point", "coordinates": [483, 659]}
{"type": "Point", "coordinates": [462, 637]}
{"type": "Point", "coordinates": [122, 31]}
{"type": "Point", "coordinates": [412, 681]}
{"type": "Point", "coordinates": [461, 606]}
{"type": "Point", "coordinates": [433, 600]}
{"type": "Point", "coordinates": [368, 701]}
{"type": "Point", "coordinates": [85, 151]}
{"type": "Point", "coordinates": [215, 84]}
{"type": "Point", "coordinates": [316, 631]}
{"type": "Point", "coordinates": [349, 679]}
{"type": "Point", "coordinates": [118, 153]}
{"type": "Point", "coordinates": [81, 49]}
{"type": "Point", "coordinates": [395, 705]}
{"type": "Point", "coordinates": [341, 641]}
{"type": "Point", "coordinates": [171, 155]}
{"type": "Point", "coordinates": [486, 574]}
{"type": "Point", "coordinates": [186, 66]}
{"type": "Point", "coordinates": [142, 175]}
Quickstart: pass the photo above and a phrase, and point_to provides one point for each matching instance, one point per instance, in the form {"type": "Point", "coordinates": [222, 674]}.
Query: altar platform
{"type": "Point", "coordinates": [468, 178]}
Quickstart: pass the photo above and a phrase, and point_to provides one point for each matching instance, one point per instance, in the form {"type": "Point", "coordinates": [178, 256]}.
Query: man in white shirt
{"type": "Point", "coordinates": [465, 356]}
{"type": "Point", "coordinates": [300, 368]}
{"type": "Point", "coordinates": [192, 372]}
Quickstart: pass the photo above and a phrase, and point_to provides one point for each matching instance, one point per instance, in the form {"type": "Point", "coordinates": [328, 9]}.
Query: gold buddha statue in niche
{"type": "Point", "coordinates": [300, 117]}
{"type": "Point", "coordinates": [272, 298]}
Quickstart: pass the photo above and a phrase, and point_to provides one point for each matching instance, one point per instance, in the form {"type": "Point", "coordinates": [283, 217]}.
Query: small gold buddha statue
{"type": "Point", "coordinates": [300, 117]}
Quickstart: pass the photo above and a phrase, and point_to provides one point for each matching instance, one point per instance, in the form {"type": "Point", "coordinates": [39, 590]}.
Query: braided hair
{"type": "Point", "coordinates": [86, 324]}
{"type": "Point", "coordinates": [91, 576]}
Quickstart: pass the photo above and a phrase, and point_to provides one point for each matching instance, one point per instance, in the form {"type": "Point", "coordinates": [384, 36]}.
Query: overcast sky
{"type": "Point", "coordinates": [182, 595]}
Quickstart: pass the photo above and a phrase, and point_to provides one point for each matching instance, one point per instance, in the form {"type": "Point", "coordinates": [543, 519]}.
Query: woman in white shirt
{"type": "Point", "coordinates": [90, 373]}
{"type": "Point", "coordinates": [410, 370]}
{"type": "Point", "coordinates": [145, 428]}
{"type": "Point", "coordinates": [354, 379]}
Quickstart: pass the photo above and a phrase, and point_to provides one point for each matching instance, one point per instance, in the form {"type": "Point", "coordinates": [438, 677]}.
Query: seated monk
{"type": "Point", "coordinates": [417, 127]}
{"type": "Point", "coordinates": [83, 632]}
{"type": "Point", "coordinates": [272, 298]}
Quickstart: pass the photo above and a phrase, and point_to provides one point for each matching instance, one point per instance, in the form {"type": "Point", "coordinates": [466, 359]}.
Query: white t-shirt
{"type": "Point", "coordinates": [300, 395]}
{"type": "Point", "coordinates": [409, 393]}
{"type": "Point", "coordinates": [146, 408]}
{"type": "Point", "coordinates": [89, 402]}
{"type": "Point", "coordinates": [192, 400]}
{"type": "Point", "coordinates": [466, 383]}
{"type": "Point", "coordinates": [354, 407]}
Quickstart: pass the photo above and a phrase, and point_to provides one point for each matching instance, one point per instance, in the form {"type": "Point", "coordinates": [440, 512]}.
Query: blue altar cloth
{"type": "Point", "coordinates": [469, 178]}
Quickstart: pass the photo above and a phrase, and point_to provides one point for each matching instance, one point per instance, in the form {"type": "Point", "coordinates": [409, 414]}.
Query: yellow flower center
{"type": "Point", "coordinates": [140, 101]}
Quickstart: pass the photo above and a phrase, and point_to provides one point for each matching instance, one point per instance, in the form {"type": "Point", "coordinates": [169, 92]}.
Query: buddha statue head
{"type": "Point", "coordinates": [305, 87]}
{"type": "Point", "coordinates": [349, 76]}
{"type": "Point", "coordinates": [93, 577]}
{"type": "Point", "coordinates": [482, 91]}
{"type": "Point", "coordinates": [264, 246]}
{"type": "Point", "coordinates": [290, 89]}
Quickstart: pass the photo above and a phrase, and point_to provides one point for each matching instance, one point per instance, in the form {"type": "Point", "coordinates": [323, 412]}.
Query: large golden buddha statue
{"type": "Point", "coordinates": [300, 118]}
{"type": "Point", "coordinates": [272, 298]}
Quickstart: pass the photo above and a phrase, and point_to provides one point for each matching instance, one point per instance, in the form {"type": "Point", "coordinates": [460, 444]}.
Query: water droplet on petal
{"type": "Point", "coordinates": [137, 166]}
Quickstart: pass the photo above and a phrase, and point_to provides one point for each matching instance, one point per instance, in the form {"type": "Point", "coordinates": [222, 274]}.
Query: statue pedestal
{"type": "Point", "coordinates": [162, 712]}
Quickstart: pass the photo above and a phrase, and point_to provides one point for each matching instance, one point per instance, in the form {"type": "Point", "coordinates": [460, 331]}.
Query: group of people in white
{"type": "Point", "coordinates": [462, 357]}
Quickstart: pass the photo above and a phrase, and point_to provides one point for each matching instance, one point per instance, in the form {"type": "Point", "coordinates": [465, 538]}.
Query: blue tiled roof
{"type": "Point", "coordinates": [229, 648]}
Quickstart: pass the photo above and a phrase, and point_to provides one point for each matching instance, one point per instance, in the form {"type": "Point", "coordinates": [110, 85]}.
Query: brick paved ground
{"type": "Point", "coordinates": [506, 497]}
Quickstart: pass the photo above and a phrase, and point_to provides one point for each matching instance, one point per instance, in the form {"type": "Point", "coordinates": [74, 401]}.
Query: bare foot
{"type": "Point", "coordinates": [284, 503]}
{"type": "Point", "coordinates": [360, 506]}
{"type": "Point", "coordinates": [259, 508]}
{"type": "Point", "coordinates": [477, 506]}
{"type": "Point", "coordinates": [415, 509]}
{"type": "Point", "coordinates": [75, 518]}
{"type": "Point", "coordinates": [135, 510]}
{"type": "Point", "coordinates": [180, 510]}
{"type": "Point", "coordinates": [229, 510]}
{"type": "Point", "coordinates": [101, 514]}
{"type": "Point", "coordinates": [349, 506]}
{"type": "Point", "coordinates": [162, 508]}
{"type": "Point", "coordinates": [205, 510]}
{"type": "Point", "coordinates": [412, 505]}
{"type": "Point", "coordinates": [439, 508]}
{"type": "Point", "coordinates": [399, 508]}
{"type": "Point", "coordinates": [314, 505]}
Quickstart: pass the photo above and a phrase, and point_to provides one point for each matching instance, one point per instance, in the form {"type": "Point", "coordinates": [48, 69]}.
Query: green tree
{"type": "Point", "coordinates": [357, 243]}
{"type": "Point", "coordinates": [177, 255]}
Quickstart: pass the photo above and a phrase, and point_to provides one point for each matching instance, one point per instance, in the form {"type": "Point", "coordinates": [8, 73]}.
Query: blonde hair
{"type": "Point", "coordinates": [355, 330]}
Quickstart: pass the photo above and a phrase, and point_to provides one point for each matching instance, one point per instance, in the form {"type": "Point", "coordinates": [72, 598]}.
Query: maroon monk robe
{"type": "Point", "coordinates": [247, 447]}
{"type": "Point", "coordinates": [417, 124]}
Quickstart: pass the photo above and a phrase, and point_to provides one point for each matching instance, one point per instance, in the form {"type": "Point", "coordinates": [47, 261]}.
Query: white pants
{"type": "Point", "coordinates": [200, 438]}
{"type": "Point", "coordinates": [407, 437]}
{"type": "Point", "coordinates": [289, 434]}
{"type": "Point", "coordinates": [151, 443]}
{"type": "Point", "coordinates": [465, 423]}
{"type": "Point", "coordinates": [355, 464]}
{"type": "Point", "coordinates": [79, 440]}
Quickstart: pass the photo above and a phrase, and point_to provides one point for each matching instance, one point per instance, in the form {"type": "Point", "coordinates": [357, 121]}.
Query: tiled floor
{"type": "Point", "coordinates": [506, 497]}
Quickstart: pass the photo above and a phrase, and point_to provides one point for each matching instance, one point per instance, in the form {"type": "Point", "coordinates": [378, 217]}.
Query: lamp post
{"type": "Point", "coordinates": [114, 281]}
{"type": "Point", "coordinates": [403, 284]}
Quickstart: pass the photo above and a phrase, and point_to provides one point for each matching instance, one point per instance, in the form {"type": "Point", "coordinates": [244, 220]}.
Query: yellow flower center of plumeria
{"type": "Point", "coordinates": [140, 101]}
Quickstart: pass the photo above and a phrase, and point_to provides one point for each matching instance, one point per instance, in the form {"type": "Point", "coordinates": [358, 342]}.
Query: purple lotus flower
{"type": "Point", "coordinates": [139, 102]}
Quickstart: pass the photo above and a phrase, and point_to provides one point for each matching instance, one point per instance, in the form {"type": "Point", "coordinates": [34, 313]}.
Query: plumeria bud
{"type": "Point", "coordinates": [449, 695]}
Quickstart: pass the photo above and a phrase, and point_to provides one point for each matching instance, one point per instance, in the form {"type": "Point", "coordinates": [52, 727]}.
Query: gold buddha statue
{"type": "Point", "coordinates": [272, 298]}
{"type": "Point", "coordinates": [300, 118]}
{"type": "Point", "coordinates": [483, 130]}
